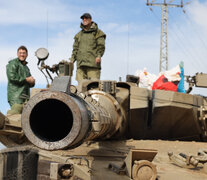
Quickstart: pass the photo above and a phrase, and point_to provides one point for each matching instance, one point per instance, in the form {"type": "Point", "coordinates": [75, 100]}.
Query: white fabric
{"type": "Point", "coordinates": [147, 79]}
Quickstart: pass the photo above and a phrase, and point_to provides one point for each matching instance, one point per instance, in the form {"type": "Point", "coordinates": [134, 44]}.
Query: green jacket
{"type": "Point", "coordinates": [88, 45]}
{"type": "Point", "coordinates": [17, 85]}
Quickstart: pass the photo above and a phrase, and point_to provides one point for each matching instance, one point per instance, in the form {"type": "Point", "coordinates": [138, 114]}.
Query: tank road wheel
{"type": "Point", "coordinates": [144, 170]}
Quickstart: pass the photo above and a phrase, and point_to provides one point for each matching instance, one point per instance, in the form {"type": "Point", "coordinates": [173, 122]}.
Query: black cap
{"type": "Point", "coordinates": [86, 15]}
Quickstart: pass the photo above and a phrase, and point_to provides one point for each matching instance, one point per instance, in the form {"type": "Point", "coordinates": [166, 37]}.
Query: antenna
{"type": "Point", "coordinates": [164, 30]}
{"type": "Point", "coordinates": [128, 49]}
{"type": "Point", "coordinates": [47, 31]}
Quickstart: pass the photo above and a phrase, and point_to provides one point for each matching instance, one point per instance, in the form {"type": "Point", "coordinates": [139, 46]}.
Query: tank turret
{"type": "Point", "coordinates": [100, 110]}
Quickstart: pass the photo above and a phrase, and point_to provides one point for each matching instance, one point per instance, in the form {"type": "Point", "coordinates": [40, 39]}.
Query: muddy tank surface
{"type": "Point", "coordinates": [105, 130]}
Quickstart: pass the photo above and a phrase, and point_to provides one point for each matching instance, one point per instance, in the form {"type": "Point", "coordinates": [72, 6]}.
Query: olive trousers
{"type": "Point", "coordinates": [87, 73]}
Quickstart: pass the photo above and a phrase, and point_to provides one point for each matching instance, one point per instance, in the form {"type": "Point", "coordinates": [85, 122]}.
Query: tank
{"type": "Point", "coordinates": [105, 130]}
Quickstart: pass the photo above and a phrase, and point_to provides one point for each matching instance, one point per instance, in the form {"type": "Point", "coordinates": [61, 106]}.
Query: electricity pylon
{"type": "Point", "coordinates": [164, 30]}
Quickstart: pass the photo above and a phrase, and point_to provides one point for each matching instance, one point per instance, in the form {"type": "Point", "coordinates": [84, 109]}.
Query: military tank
{"type": "Point", "coordinates": [105, 130]}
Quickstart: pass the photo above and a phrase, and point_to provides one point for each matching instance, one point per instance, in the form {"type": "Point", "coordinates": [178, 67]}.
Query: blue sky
{"type": "Point", "coordinates": [132, 29]}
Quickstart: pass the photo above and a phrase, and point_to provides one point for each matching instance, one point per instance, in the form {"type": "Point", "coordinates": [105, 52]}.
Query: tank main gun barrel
{"type": "Point", "coordinates": [57, 120]}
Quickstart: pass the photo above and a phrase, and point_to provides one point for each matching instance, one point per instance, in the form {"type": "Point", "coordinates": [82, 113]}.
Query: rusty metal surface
{"type": "Point", "coordinates": [61, 84]}
{"type": "Point", "coordinates": [113, 108]}
{"type": "Point", "coordinates": [79, 127]}
{"type": "Point", "coordinates": [144, 170]}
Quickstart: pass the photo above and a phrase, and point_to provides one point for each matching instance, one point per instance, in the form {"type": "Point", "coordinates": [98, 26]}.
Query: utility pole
{"type": "Point", "coordinates": [164, 30]}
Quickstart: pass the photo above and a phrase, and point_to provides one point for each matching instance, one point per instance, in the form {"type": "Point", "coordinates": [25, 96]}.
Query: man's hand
{"type": "Point", "coordinates": [71, 60]}
{"type": "Point", "coordinates": [30, 80]}
{"type": "Point", "coordinates": [98, 60]}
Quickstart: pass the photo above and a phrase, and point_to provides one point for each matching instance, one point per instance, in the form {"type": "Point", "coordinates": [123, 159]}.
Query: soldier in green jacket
{"type": "Point", "coordinates": [19, 81]}
{"type": "Point", "coordinates": [88, 48]}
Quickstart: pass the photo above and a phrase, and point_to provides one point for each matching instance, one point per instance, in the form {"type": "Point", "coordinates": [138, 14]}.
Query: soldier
{"type": "Point", "coordinates": [88, 48]}
{"type": "Point", "coordinates": [19, 81]}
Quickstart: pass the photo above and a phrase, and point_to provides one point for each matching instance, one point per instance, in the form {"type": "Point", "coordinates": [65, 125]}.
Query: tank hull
{"type": "Point", "coordinates": [91, 160]}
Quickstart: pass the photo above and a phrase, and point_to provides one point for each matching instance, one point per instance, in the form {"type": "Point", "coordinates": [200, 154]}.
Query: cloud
{"type": "Point", "coordinates": [198, 12]}
{"type": "Point", "coordinates": [6, 55]}
{"type": "Point", "coordinates": [30, 12]}
{"type": "Point", "coordinates": [115, 27]}
{"type": "Point", "coordinates": [111, 26]}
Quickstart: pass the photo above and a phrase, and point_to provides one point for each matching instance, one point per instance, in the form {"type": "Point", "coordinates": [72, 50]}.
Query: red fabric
{"type": "Point", "coordinates": [163, 83]}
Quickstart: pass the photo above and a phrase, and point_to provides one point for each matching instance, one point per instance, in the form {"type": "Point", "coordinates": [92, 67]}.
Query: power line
{"type": "Point", "coordinates": [47, 31]}
{"type": "Point", "coordinates": [194, 28]}
{"type": "Point", "coordinates": [189, 42]}
{"type": "Point", "coordinates": [164, 30]}
{"type": "Point", "coordinates": [128, 48]}
{"type": "Point", "coordinates": [185, 51]}
{"type": "Point", "coordinates": [181, 45]}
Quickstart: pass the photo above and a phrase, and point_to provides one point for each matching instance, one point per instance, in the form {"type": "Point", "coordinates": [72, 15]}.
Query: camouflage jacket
{"type": "Point", "coordinates": [17, 85]}
{"type": "Point", "coordinates": [88, 45]}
